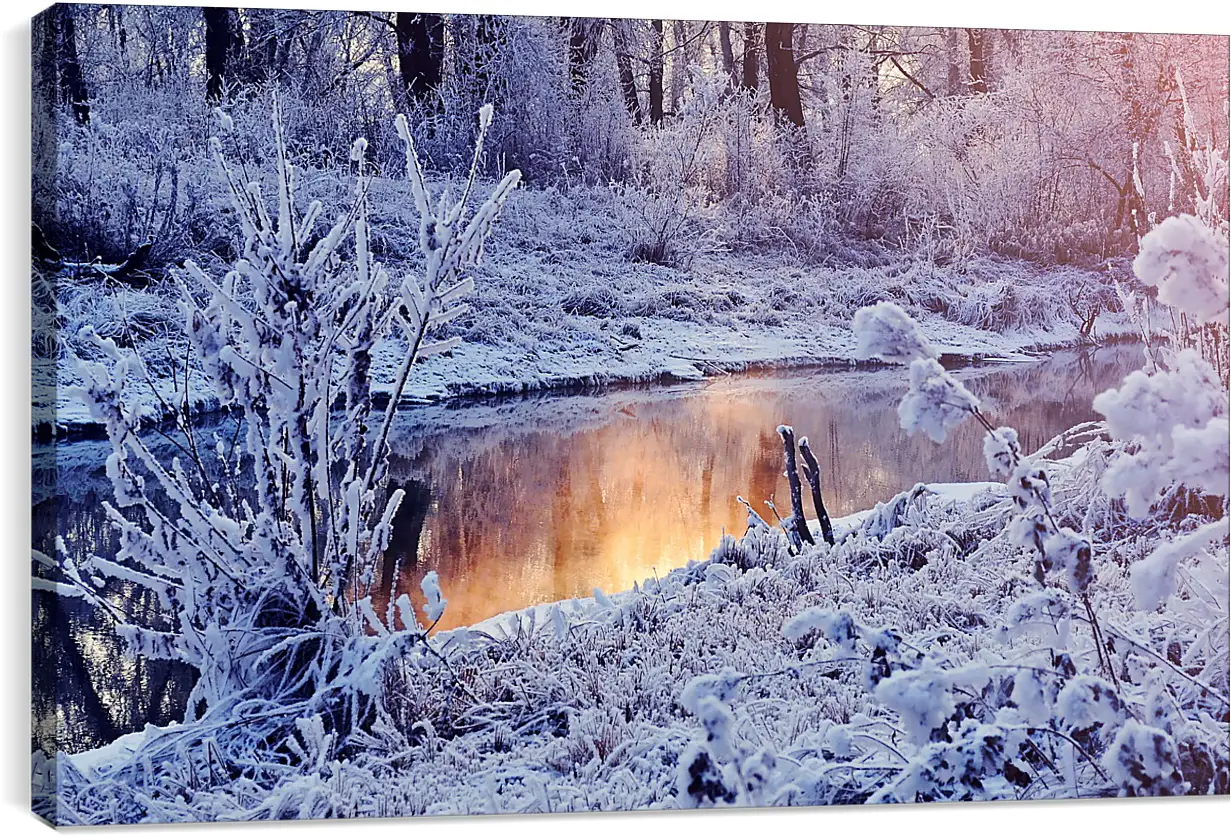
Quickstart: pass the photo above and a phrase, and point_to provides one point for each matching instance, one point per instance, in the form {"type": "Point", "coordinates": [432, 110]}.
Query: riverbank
{"type": "Point", "coordinates": [540, 323]}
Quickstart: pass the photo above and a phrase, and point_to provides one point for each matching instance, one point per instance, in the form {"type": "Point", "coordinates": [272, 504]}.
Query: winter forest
{"type": "Point", "coordinates": [457, 414]}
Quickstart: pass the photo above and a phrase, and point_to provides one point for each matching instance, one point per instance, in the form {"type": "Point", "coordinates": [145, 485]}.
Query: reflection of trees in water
{"type": "Point", "coordinates": [84, 690]}
{"type": "Point", "coordinates": [535, 499]}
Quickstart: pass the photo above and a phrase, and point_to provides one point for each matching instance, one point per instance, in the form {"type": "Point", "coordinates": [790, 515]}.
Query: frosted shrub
{"type": "Point", "coordinates": [1087, 703]}
{"type": "Point", "coordinates": [922, 698]}
{"type": "Point", "coordinates": [670, 196]}
{"type": "Point", "coordinates": [1144, 762]}
{"type": "Point", "coordinates": [936, 402]}
{"type": "Point", "coordinates": [1188, 263]}
{"type": "Point", "coordinates": [262, 552]}
{"type": "Point", "coordinates": [1154, 578]}
{"type": "Point", "coordinates": [1072, 552]}
{"type": "Point", "coordinates": [1177, 420]}
{"type": "Point", "coordinates": [719, 767]}
{"type": "Point", "coordinates": [1001, 452]}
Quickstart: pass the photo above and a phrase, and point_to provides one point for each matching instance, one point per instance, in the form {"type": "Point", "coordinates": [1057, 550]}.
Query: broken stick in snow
{"type": "Point", "coordinates": [812, 471]}
{"type": "Point", "coordinates": [798, 519]}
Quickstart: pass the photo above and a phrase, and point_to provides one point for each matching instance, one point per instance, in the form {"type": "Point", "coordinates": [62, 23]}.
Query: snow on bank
{"type": "Point", "coordinates": [559, 303]}
{"type": "Point", "coordinates": [625, 701]}
{"type": "Point", "coordinates": [560, 618]}
{"type": "Point", "coordinates": [551, 348]}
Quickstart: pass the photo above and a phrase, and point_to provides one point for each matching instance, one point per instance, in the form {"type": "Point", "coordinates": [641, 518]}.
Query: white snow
{"type": "Point", "coordinates": [434, 608]}
{"type": "Point", "coordinates": [1188, 263]}
{"type": "Point", "coordinates": [935, 401]}
{"type": "Point", "coordinates": [1177, 419]}
{"type": "Point", "coordinates": [887, 332]}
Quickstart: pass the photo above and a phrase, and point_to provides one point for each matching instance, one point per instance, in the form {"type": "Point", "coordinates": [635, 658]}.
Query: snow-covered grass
{"type": "Point", "coordinates": [936, 651]}
{"type": "Point", "coordinates": [561, 302]}
{"type": "Point", "coordinates": [581, 706]}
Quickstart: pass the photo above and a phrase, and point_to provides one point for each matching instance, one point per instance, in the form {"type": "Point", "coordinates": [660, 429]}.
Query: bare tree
{"type": "Point", "coordinates": [624, 66]}
{"type": "Point", "coordinates": [728, 54]}
{"type": "Point", "coordinates": [749, 79]}
{"type": "Point", "coordinates": [953, 75]}
{"type": "Point", "coordinates": [977, 39]}
{"type": "Point", "coordinates": [223, 40]}
{"type": "Point", "coordinates": [62, 37]}
{"type": "Point", "coordinates": [582, 47]}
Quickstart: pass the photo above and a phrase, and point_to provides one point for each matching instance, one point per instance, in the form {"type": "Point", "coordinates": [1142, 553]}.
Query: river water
{"type": "Point", "coordinates": [517, 501]}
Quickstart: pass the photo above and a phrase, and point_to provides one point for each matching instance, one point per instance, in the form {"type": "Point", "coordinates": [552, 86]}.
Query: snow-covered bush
{"type": "Point", "coordinates": [990, 726]}
{"type": "Point", "coordinates": [667, 197]}
{"type": "Point", "coordinates": [261, 548]}
{"type": "Point", "coordinates": [1172, 426]}
{"type": "Point", "coordinates": [887, 332]}
{"type": "Point", "coordinates": [1177, 420]}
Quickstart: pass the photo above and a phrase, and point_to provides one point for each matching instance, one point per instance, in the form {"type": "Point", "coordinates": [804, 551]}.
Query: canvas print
{"type": "Point", "coordinates": [443, 414]}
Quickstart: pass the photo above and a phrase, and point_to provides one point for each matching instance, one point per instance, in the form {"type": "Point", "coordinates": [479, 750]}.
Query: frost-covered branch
{"type": "Point", "coordinates": [262, 556]}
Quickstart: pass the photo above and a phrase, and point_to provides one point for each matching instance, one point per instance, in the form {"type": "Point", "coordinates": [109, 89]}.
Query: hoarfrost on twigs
{"type": "Point", "coordinates": [1070, 551]}
{"type": "Point", "coordinates": [922, 698]}
{"type": "Point", "coordinates": [434, 608]}
{"type": "Point", "coordinates": [1153, 578]}
{"type": "Point", "coordinates": [1001, 451]}
{"type": "Point", "coordinates": [1177, 417]}
{"type": "Point", "coordinates": [887, 332]}
{"type": "Point", "coordinates": [936, 402]}
{"type": "Point", "coordinates": [1188, 263]}
{"type": "Point", "coordinates": [1144, 761]}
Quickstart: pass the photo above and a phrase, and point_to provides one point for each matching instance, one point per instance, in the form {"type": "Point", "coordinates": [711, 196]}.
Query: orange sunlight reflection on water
{"type": "Point", "coordinates": [516, 515]}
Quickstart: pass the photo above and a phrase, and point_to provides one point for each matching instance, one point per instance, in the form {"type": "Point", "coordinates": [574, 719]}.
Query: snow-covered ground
{"type": "Point", "coordinates": [604, 703]}
{"type": "Point", "coordinates": [990, 641]}
{"type": "Point", "coordinates": [559, 303]}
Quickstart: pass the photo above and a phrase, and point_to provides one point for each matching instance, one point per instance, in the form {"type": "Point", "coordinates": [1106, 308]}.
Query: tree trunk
{"type": "Point", "coordinates": [421, 53]}
{"type": "Point", "coordinates": [978, 60]}
{"type": "Point", "coordinates": [783, 73]}
{"type": "Point", "coordinates": [261, 61]}
{"type": "Point", "coordinates": [72, 83]}
{"type": "Point", "coordinates": [44, 139]}
{"type": "Point", "coordinates": [954, 76]}
{"type": "Point", "coordinates": [728, 55]}
{"type": "Point", "coordinates": [487, 38]}
{"type": "Point", "coordinates": [222, 41]}
{"type": "Point", "coordinates": [749, 80]}
{"type": "Point", "coordinates": [582, 47]}
{"type": "Point", "coordinates": [624, 65]}
{"type": "Point", "coordinates": [679, 63]}
{"type": "Point", "coordinates": [656, 73]}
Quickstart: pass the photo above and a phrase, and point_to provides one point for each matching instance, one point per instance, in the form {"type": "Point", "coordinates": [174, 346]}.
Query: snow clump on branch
{"type": "Point", "coordinates": [1188, 263]}
{"type": "Point", "coordinates": [887, 332]}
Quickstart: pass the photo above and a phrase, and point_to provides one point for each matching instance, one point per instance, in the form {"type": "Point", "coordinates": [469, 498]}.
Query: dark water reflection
{"type": "Point", "coordinates": [527, 500]}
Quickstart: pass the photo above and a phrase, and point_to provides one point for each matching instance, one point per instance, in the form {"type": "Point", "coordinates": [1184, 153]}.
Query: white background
{"type": "Point", "coordinates": [1003, 820]}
